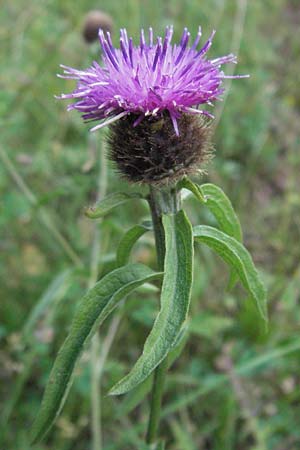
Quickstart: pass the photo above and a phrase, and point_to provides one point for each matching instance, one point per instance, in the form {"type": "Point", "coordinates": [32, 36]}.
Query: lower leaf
{"type": "Point", "coordinates": [93, 309]}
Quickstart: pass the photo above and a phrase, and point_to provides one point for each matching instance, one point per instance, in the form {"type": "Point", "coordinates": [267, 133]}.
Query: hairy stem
{"type": "Point", "coordinates": [162, 201]}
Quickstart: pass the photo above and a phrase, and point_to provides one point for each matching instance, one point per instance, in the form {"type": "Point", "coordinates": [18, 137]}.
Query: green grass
{"type": "Point", "coordinates": [231, 388]}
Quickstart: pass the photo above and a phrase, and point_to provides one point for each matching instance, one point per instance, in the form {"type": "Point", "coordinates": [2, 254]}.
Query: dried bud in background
{"type": "Point", "coordinates": [93, 21]}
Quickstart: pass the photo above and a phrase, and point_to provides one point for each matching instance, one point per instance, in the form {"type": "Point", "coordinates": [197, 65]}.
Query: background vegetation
{"type": "Point", "coordinates": [231, 388]}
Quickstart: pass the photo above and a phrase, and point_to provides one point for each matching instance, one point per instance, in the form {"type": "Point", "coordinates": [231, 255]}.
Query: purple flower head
{"type": "Point", "coordinates": [148, 80]}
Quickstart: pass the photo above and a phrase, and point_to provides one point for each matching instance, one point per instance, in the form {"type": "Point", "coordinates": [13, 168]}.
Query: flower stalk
{"type": "Point", "coordinates": [156, 401]}
{"type": "Point", "coordinates": [162, 201]}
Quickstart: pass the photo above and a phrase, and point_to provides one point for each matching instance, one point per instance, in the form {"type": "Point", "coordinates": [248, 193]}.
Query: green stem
{"type": "Point", "coordinates": [156, 401]}
{"type": "Point", "coordinates": [162, 201]}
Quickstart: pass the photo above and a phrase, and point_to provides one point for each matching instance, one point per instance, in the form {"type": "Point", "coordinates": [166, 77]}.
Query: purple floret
{"type": "Point", "coordinates": [148, 80]}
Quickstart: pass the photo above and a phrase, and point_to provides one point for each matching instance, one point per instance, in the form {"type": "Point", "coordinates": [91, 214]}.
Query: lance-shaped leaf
{"type": "Point", "coordinates": [95, 306]}
{"type": "Point", "coordinates": [128, 241]}
{"type": "Point", "coordinates": [221, 207]}
{"type": "Point", "coordinates": [218, 203]}
{"type": "Point", "coordinates": [239, 259]}
{"type": "Point", "coordinates": [175, 298]}
{"type": "Point", "coordinates": [186, 183]}
{"type": "Point", "coordinates": [110, 202]}
{"type": "Point", "coordinates": [142, 390]}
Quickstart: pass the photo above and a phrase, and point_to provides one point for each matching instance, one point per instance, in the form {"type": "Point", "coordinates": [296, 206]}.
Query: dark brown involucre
{"type": "Point", "coordinates": [152, 153]}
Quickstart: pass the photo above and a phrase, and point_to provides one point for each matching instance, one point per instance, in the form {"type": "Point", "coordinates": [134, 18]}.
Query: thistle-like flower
{"type": "Point", "coordinates": [151, 92]}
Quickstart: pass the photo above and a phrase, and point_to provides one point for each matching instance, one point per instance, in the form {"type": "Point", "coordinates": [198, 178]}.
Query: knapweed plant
{"type": "Point", "coordinates": [150, 96]}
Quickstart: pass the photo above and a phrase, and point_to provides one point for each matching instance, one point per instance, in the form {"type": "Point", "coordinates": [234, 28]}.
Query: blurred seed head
{"type": "Point", "coordinates": [93, 21]}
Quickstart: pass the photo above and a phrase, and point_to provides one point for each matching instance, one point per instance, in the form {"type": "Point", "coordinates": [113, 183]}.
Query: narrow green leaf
{"type": "Point", "coordinates": [95, 306]}
{"type": "Point", "coordinates": [221, 207]}
{"type": "Point", "coordinates": [175, 298]}
{"type": "Point", "coordinates": [186, 183]}
{"type": "Point", "coordinates": [136, 396]}
{"type": "Point", "coordinates": [218, 203]}
{"type": "Point", "coordinates": [239, 259]}
{"type": "Point", "coordinates": [110, 202]}
{"type": "Point", "coordinates": [128, 241]}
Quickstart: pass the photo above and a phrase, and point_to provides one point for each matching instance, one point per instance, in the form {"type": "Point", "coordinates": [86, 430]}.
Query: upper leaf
{"type": "Point", "coordinates": [186, 183]}
{"type": "Point", "coordinates": [221, 207]}
{"type": "Point", "coordinates": [218, 203]}
{"type": "Point", "coordinates": [128, 241]}
{"type": "Point", "coordinates": [175, 298]}
{"type": "Point", "coordinates": [95, 306]}
{"type": "Point", "coordinates": [239, 259]}
{"type": "Point", "coordinates": [104, 206]}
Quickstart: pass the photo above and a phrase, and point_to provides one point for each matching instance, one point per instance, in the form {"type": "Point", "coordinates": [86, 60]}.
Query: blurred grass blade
{"type": "Point", "coordinates": [128, 241]}
{"type": "Point", "coordinates": [182, 434]}
{"type": "Point", "coordinates": [47, 303]}
{"type": "Point", "coordinates": [95, 306]}
{"type": "Point", "coordinates": [267, 361]}
{"type": "Point", "coordinates": [186, 183]}
{"type": "Point", "coordinates": [175, 297]}
{"type": "Point", "coordinates": [239, 259]}
{"type": "Point", "coordinates": [110, 202]}
{"type": "Point", "coordinates": [134, 398]}
{"type": "Point", "coordinates": [209, 325]}
{"type": "Point", "coordinates": [18, 387]}
{"type": "Point", "coordinates": [56, 289]}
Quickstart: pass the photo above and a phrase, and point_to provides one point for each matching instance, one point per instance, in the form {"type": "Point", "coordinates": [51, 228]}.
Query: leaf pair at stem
{"type": "Point", "coordinates": [177, 277]}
